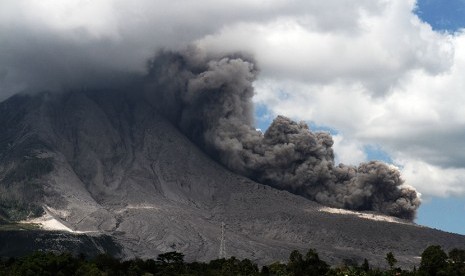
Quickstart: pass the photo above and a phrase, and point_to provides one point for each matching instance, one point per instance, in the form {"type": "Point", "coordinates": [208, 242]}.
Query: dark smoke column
{"type": "Point", "coordinates": [210, 100]}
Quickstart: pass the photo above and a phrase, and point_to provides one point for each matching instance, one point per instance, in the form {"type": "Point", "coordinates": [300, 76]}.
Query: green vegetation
{"type": "Point", "coordinates": [391, 260]}
{"type": "Point", "coordinates": [29, 169]}
{"type": "Point", "coordinates": [7, 225]}
{"type": "Point", "coordinates": [21, 189]}
{"type": "Point", "coordinates": [434, 262]}
{"type": "Point", "coordinates": [12, 226]}
{"type": "Point", "coordinates": [16, 209]}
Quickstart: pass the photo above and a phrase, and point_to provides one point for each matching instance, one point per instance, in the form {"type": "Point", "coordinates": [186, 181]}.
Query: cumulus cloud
{"type": "Point", "coordinates": [375, 50]}
{"type": "Point", "coordinates": [385, 78]}
{"type": "Point", "coordinates": [348, 151]}
{"type": "Point", "coordinates": [57, 45]}
{"type": "Point", "coordinates": [432, 180]}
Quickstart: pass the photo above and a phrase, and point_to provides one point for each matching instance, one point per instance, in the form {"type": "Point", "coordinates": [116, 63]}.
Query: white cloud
{"type": "Point", "coordinates": [376, 49]}
{"type": "Point", "coordinates": [52, 44]}
{"type": "Point", "coordinates": [433, 180]}
{"type": "Point", "coordinates": [348, 151]}
{"type": "Point", "coordinates": [385, 78]}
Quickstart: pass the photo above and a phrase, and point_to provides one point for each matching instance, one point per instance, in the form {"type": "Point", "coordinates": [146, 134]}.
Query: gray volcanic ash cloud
{"type": "Point", "coordinates": [210, 100]}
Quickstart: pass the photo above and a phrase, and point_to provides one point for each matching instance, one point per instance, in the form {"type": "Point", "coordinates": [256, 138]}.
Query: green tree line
{"type": "Point", "coordinates": [434, 261]}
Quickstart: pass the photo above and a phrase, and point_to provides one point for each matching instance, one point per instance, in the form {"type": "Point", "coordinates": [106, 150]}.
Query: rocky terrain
{"type": "Point", "coordinates": [105, 162]}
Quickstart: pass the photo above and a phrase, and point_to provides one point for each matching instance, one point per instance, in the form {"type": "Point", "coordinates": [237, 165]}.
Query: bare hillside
{"type": "Point", "coordinates": [105, 162]}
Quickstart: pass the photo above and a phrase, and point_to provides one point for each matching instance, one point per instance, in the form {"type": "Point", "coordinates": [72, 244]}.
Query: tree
{"type": "Point", "coordinates": [456, 264]}
{"type": "Point", "coordinates": [171, 263]}
{"type": "Point", "coordinates": [313, 264]}
{"type": "Point", "coordinates": [89, 269]}
{"type": "Point", "coordinates": [171, 258]}
{"type": "Point", "coordinates": [457, 255]}
{"type": "Point", "coordinates": [433, 260]}
{"type": "Point", "coordinates": [365, 266]}
{"type": "Point", "coordinates": [296, 263]}
{"type": "Point", "coordinates": [391, 260]}
{"type": "Point", "coordinates": [107, 263]}
{"type": "Point", "coordinates": [247, 267]}
{"type": "Point", "coordinates": [265, 271]}
{"type": "Point", "coordinates": [278, 269]}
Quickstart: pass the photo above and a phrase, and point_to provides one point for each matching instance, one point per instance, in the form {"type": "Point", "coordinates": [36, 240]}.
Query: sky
{"type": "Point", "coordinates": [385, 77]}
{"type": "Point", "coordinates": [446, 213]}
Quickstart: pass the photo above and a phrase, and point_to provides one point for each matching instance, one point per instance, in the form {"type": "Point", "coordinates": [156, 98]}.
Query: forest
{"type": "Point", "coordinates": [434, 261]}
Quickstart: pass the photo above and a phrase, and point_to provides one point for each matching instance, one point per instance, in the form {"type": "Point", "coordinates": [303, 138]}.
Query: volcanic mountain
{"type": "Point", "coordinates": [108, 162]}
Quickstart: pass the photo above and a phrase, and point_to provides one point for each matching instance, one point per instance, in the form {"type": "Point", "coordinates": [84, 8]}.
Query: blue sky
{"type": "Point", "coordinates": [443, 213]}
{"type": "Point", "coordinates": [442, 15]}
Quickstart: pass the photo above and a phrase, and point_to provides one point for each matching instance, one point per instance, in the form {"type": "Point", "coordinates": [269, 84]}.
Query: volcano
{"type": "Point", "coordinates": [107, 162]}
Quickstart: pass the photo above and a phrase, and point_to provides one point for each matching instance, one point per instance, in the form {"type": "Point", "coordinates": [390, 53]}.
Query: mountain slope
{"type": "Point", "coordinates": [107, 162]}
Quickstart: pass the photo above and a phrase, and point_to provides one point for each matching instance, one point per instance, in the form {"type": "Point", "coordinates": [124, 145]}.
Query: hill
{"type": "Point", "coordinates": [106, 162]}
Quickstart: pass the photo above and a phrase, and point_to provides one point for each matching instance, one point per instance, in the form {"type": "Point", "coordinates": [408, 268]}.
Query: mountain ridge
{"type": "Point", "coordinates": [121, 169]}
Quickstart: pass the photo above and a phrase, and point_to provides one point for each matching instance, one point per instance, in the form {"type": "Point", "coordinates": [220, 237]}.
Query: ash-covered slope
{"type": "Point", "coordinates": [210, 99]}
{"type": "Point", "coordinates": [106, 162]}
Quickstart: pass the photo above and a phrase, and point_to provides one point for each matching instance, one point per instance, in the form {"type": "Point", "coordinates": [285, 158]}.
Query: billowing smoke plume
{"type": "Point", "coordinates": [210, 100]}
